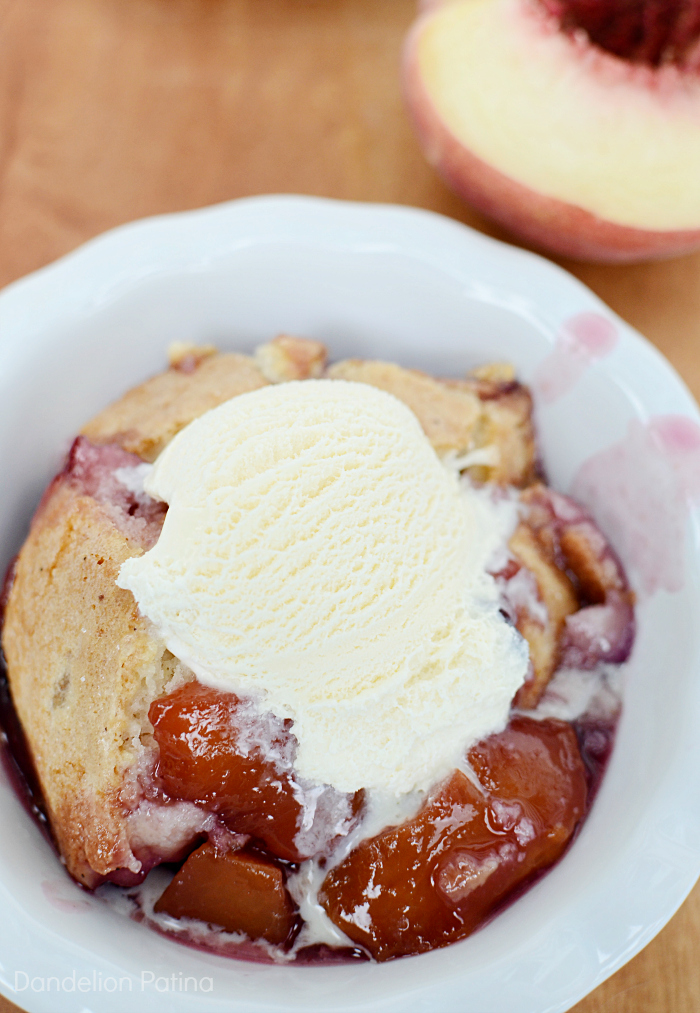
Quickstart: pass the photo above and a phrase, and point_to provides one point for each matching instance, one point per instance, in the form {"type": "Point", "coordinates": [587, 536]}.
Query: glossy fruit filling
{"type": "Point", "coordinates": [434, 879]}
{"type": "Point", "coordinates": [241, 892]}
{"type": "Point", "coordinates": [219, 804]}
{"type": "Point", "coordinates": [414, 887]}
{"type": "Point", "coordinates": [214, 751]}
{"type": "Point", "coordinates": [476, 842]}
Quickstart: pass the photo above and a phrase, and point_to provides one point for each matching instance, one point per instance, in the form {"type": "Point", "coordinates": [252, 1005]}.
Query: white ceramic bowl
{"type": "Point", "coordinates": [406, 285]}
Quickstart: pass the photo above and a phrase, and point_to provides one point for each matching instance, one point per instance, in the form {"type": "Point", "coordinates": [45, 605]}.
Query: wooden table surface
{"type": "Point", "coordinates": [115, 109]}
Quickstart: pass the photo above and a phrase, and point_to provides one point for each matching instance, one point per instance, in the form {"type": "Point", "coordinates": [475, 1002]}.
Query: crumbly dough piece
{"type": "Point", "coordinates": [147, 417]}
{"type": "Point", "coordinates": [289, 358]}
{"type": "Point", "coordinates": [82, 669]}
{"type": "Point", "coordinates": [506, 423]}
{"type": "Point", "coordinates": [449, 416]}
{"type": "Point", "coordinates": [488, 410]}
{"type": "Point", "coordinates": [559, 597]}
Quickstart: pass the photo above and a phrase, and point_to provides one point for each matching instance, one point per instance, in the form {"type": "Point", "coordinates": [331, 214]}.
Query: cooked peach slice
{"type": "Point", "coordinates": [603, 629]}
{"type": "Point", "coordinates": [435, 878]}
{"type": "Point", "coordinates": [211, 752]}
{"type": "Point", "coordinates": [577, 609]}
{"type": "Point", "coordinates": [237, 891]}
{"type": "Point", "coordinates": [197, 731]}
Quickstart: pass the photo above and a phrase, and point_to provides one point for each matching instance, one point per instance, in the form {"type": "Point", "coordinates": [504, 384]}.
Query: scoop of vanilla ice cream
{"type": "Point", "coordinates": [318, 555]}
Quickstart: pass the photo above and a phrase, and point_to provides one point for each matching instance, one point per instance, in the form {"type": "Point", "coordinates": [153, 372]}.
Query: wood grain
{"type": "Point", "coordinates": [115, 109]}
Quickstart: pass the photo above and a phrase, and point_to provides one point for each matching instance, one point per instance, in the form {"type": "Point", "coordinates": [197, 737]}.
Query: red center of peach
{"type": "Point", "coordinates": [653, 32]}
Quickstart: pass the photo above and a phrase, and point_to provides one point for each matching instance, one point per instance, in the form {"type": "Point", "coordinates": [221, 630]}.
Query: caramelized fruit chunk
{"type": "Point", "coordinates": [577, 542]}
{"type": "Point", "coordinates": [434, 879]}
{"type": "Point", "coordinates": [240, 892]}
{"type": "Point", "coordinates": [599, 633]}
{"type": "Point", "coordinates": [603, 629]}
{"type": "Point", "coordinates": [565, 591]}
{"type": "Point", "coordinates": [205, 757]}
{"type": "Point", "coordinates": [216, 751]}
{"type": "Point", "coordinates": [93, 470]}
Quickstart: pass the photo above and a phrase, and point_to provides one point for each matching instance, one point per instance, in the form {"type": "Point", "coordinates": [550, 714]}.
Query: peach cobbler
{"type": "Point", "coordinates": [308, 660]}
